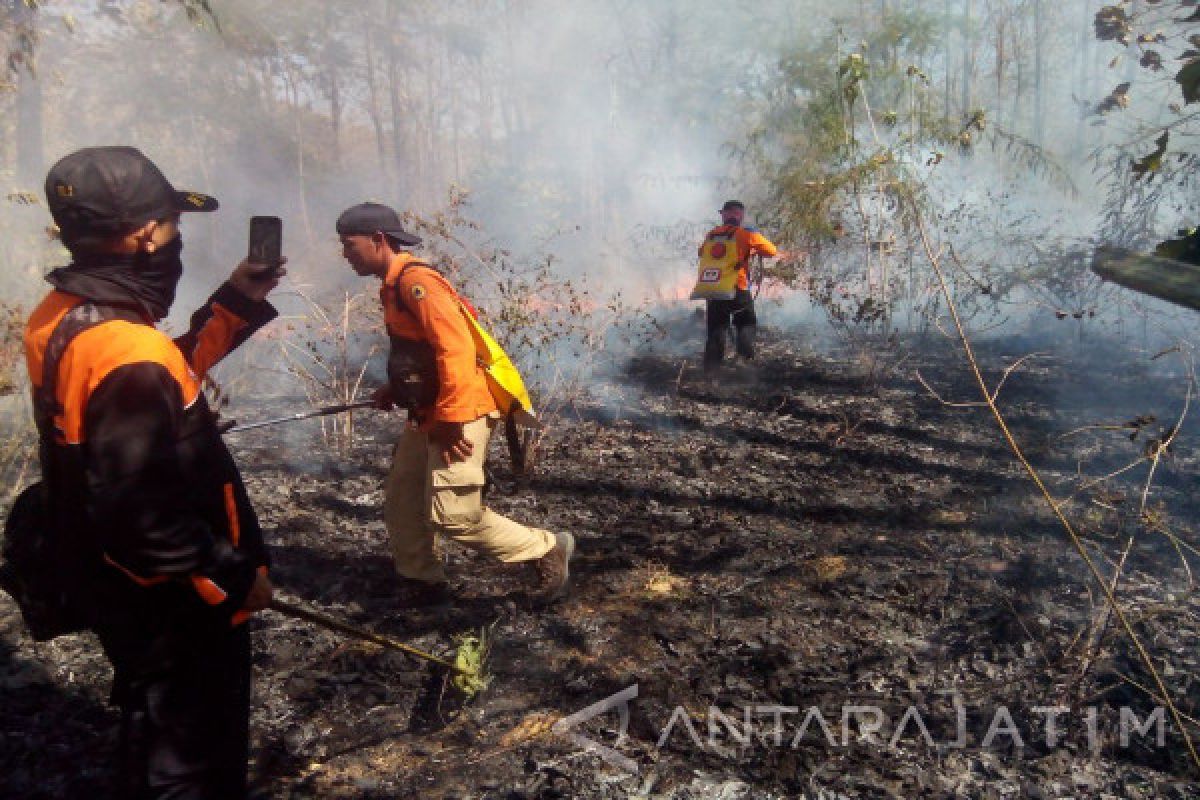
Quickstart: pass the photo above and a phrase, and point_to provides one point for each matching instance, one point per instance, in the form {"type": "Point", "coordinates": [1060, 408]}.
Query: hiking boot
{"type": "Point", "coordinates": [423, 594]}
{"type": "Point", "coordinates": [554, 570]}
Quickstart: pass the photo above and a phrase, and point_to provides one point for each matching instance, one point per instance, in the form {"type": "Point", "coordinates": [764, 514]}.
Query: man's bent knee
{"type": "Point", "coordinates": [456, 509]}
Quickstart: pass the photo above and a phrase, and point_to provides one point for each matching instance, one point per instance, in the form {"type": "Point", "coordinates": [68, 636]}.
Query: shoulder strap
{"type": "Point", "coordinates": [466, 304]}
{"type": "Point", "coordinates": [82, 317]}
{"type": "Point", "coordinates": [400, 304]}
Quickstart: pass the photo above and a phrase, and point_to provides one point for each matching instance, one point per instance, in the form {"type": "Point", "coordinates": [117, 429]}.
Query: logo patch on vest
{"type": "Point", "coordinates": [418, 292]}
{"type": "Point", "coordinates": [719, 267]}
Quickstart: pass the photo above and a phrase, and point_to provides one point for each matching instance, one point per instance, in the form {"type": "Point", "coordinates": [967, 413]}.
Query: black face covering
{"type": "Point", "coordinates": [145, 282]}
{"type": "Point", "coordinates": [158, 274]}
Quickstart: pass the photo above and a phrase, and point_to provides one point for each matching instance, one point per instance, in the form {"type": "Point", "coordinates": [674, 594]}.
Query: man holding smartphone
{"type": "Point", "coordinates": [437, 477]}
{"type": "Point", "coordinates": [168, 549]}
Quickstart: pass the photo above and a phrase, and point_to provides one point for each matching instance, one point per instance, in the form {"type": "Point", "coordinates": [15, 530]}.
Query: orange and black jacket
{"type": "Point", "coordinates": [137, 469]}
{"type": "Point", "coordinates": [749, 243]}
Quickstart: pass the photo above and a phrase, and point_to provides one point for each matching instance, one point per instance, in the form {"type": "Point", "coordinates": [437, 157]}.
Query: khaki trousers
{"type": "Point", "coordinates": [424, 495]}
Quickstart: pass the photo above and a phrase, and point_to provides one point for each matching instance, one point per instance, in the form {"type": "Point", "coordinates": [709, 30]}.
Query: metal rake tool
{"type": "Point", "coordinates": [316, 412]}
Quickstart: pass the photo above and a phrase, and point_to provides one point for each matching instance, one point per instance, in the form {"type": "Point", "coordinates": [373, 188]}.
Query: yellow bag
{"type": "Point", "coordinates": [717, 273]}
{"type": "Point", "coordinates": [503, 379]}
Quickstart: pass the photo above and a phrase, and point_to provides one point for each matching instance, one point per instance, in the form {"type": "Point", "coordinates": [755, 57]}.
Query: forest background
{"type": "Point", "coordinates": [563, 163]}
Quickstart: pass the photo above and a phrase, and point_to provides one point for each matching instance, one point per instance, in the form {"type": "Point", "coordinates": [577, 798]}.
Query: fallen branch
{"type": "Point", "coordinates": [995, 394]}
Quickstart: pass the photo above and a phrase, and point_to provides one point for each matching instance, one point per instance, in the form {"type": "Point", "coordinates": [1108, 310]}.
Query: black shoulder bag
{"type": "Point", "coordinates": [412, 365]}
{"type": "Point", "coordinates": [43, 566]}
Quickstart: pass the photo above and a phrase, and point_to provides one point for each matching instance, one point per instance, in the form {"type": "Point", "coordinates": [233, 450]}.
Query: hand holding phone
{"type": "Point", "coordinates": [263, 268]}
{"type": "Point", "coordinates": [266, 245]}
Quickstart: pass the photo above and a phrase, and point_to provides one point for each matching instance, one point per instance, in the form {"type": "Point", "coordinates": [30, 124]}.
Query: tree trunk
{"type": "Point", "coordinates": [291, 85]}
{"type": "Point", "coordinates": [1039, 73]}
{"type": "Point", "coordinates": [31, 161]}
{"type": "Point", "coordinates": [1018, 57]}
{"type": "Point", "coordinates": [456, 121]}
{"type": "Point", "coordinates": [1001, 55]}
{"type": "Point", "coordinates": [373, 109]}
{"type": "Point", "coordinates": [947, 50]}
{"type": "Point", "coordinates": [1083, 81]}
{"type": "Point", "coordinates": [1131, 61]}
{"type": "Point", "coordinates": [398, 138]}
{"type": "Point", "coordinates": [335, 88]}
{"type": "Point", "coordinates": [968, 65]}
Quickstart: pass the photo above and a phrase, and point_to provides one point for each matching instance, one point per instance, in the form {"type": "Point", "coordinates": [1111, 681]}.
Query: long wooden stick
{"type": "Point", "coordinates": [342, 626]}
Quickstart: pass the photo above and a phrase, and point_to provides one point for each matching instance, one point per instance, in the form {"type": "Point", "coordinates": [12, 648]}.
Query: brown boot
{"type": "Point", "coordinates": [554, 570]}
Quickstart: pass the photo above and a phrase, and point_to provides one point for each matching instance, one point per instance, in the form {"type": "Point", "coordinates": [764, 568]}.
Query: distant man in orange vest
{"type": "Point", "coordinates": [437, 477]}
{"type": "Point", "coordinates": [741, 308]}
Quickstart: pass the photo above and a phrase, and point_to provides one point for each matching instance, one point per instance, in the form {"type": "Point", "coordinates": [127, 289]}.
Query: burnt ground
{"type": "Point", "coordinates": [789, 535]}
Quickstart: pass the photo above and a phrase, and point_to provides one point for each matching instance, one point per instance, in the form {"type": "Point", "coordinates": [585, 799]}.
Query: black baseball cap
{"type": "Point", "coordinates": [367, 219]}
{"type": "Point", "coordinates": [113, 190]}
{"type": "Point", "coordinates": [733, 204]}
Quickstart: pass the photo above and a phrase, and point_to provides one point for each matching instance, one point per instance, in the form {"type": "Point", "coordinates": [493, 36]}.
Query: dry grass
{"type": "Point", "coordinates": [661, 583]}
{"type": "Point", "coordinates": [328, 349]}
{"type": "Point", "coordinates": [12, 351]}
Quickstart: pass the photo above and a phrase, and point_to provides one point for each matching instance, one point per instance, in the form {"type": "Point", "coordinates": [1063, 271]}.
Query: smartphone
{"type": "Point", "coordinates": [266, 243]}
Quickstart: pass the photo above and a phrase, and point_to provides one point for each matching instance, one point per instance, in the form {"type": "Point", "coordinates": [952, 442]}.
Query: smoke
{"type": "Point", "coordinates": [604, 133]}
{"type": "Point", "coordinates": [574, 132]}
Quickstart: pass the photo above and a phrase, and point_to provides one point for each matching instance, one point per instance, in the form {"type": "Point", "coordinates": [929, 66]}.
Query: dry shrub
{"type": "Point", "coordinates": [12, 322]}
{"type": "Point", "coordinates": [559, 330]}
{"type": "Point", "coordinates": [327, 348]}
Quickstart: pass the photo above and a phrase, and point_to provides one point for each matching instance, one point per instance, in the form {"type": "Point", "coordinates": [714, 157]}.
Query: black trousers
{"type": "Point", "coordinates": [739, 310]}
{"type": "Point", "coordinates": [183, 687]}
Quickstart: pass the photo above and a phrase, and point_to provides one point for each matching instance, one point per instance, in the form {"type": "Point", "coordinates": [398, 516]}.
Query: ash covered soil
{"type": "Point", "coordinates": [790, 534]}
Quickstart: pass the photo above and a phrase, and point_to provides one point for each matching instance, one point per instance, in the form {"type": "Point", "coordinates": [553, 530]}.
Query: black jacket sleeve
{"type": "Point", "coordinates": [140, 490]}
{"type": "Point", "coordinates": [221, 325]}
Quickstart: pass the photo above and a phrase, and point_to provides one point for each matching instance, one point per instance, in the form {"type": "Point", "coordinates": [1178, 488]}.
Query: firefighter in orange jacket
{"type": "Point", "coordinates": [437, 476]}
{"type": "Point", "coordinates": [169, 551]}
{"type": "Point", "coordinates": [741, 307]}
